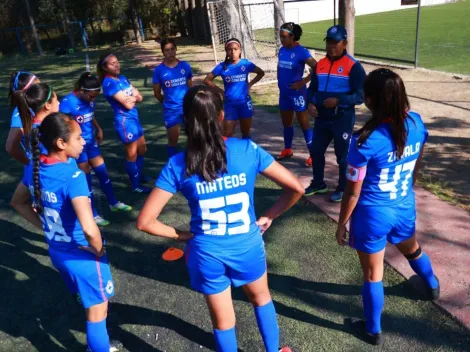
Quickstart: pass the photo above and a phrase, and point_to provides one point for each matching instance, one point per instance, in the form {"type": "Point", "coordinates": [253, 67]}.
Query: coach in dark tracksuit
{"type": "Point", "coordinates": [335, 90]}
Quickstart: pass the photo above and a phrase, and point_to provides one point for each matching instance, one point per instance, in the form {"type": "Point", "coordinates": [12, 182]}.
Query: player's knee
{"type": "Point", "coordinates": [85, 167]}
{"type": "Point", "coordinates": [415, 255]}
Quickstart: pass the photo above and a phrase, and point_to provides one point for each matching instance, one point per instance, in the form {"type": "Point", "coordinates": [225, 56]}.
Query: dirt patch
{"type": "Point", "coordinates": [442, 100]}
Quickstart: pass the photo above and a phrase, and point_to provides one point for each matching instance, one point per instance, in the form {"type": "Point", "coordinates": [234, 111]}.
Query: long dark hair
{"type": "Point", "coordinates": [100, 66]}
{"type": "Point", "coordinates": [293, 29]}
{"type": "Point", "coordinates": [19, 80]}
{"type": "Point", "coordinates": [167, 41]}
{"type": "Point", "coordinates": [54, 126]}
{"type": "Point", "coordinates": [87, 81]}
{"type": "Point", "coordinates": [205, 151]}
{"type": "Point", "coordinates": [29, 102]}
{"type": "Point", "coordinates": [385, 94]}
{"type": "Point", "coordinates": [227, 59]}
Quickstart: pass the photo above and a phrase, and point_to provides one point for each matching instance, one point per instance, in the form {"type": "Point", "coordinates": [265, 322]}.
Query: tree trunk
{"type": "Point", "coordinates": [180, 18]}
{"type": "Point", "coordinates": [135, 22]}
{"type": "Point", "coordinates": [347, 14]}
{"type": "Point", "coordinates": [33, 28]}
{"type": "Point", "coordinates": [68, 28]}
{"type": "Point", "coordinates": [278, 21]}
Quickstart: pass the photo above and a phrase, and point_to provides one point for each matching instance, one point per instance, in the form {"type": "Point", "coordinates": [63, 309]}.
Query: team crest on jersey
{"type": "Point", "coordinates": [345, 136]}
{"type": "Point", "coordinates": [243, 68]}
{"type": "Point", "coordinates": [292, 56]}
{"type": "Point", "coordinates": [109, 287]}
{"type": "Point", "coordinates": [80, 119]}
{"type": "Point", "coordinates": [340, 69]}
{"type": "Point", "coordinates": [167, 84]}
{"type": "Point", "coordinates": [130, 135]}
{"type": "Point", "coordinates": [183, 71]}
{"type": "Point", "coordinates": [92, 104]}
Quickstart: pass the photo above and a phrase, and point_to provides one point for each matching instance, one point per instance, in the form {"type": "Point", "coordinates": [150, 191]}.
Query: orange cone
{"type": "Point", "coordinates": [172, 254]}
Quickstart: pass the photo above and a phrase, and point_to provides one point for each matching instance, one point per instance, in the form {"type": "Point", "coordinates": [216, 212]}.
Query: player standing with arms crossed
{"type": "Point", "coordinates": [172, 77]}
{"type": "Point", "coordinates": [235, 72]}
{"type": "Point", "coordinates": [15, 145]}
{"type": "Point", "coordinates": [80, 105]}
{"type": "Point", "coordinates": [60, 192]}
{"type": "Point", "coordinates": [379, 199]}
{"type": "Point", "coordinates": [123, 97]}
{"type": "Point", "coordinates": [225, 246]}
{"type": "Point", "coordinates": [292, 91]}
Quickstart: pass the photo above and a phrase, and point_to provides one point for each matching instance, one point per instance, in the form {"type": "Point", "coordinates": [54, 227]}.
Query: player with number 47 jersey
{"type": "Point", "coordinates": [379, 199]}
{"type": "Point", "coordinates": [225, 245]}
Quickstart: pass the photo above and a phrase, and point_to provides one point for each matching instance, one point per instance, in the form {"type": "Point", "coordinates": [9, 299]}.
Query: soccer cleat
{"type": "Point", "coordinates": [142, 189]}
{"type": "Point", "coordinates": [285, 349]}
{"type": "Point", "coordinates": [435, 293]}
{"type": "Point", "coordinates": [120, 206]}
{"type": "Point", "coordinates": [314, 189]}
{"type": "Point", "coordinates": [114, 346]}
{"type": "Point", "coordinates": [285, 154]}
{"type": "Point", "coordinates": [336, 197]}
{"type": "Point", "coordinates": [100, 221]}
{"type": "Point", "coordinates": [308, 162]}
{"type": "Point", "coordinates": [359, 328]}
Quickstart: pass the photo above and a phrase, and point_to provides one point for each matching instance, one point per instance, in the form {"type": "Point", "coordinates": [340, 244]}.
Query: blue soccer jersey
{"type": "Point", "coordinates": [174, 83]}
{"type": "Point", "coordinates": [291, 67]}
{"type": "Point", "coordinates": [111, 86]}
{"type": "Point", "coordinates": [16, 119]}
{"type": "Point", "coordinates": [235, 77]}
{"type": "Point", "coordinates": [388, 180]}
{"type": "Point", "coordinates": [60, 182]}
{"type": "Point", "coordinates": [81, 111]}
{"type": "Point", "coordinates": [224, 207]}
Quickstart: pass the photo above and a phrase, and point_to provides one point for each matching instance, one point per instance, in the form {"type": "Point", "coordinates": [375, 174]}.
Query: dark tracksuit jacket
{"type": "Point", "coordinates": [341, 78]}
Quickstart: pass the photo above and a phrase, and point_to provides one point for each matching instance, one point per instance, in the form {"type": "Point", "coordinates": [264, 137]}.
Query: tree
{"type": "Point", "coordinates": [33, 27]}
{"type": "Point", "coordinates": [68, 28]}
{"type": "Point", "coordinates": [347, 14]}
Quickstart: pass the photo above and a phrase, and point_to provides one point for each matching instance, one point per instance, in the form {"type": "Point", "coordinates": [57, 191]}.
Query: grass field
{"type": "Point", "coordinates": [443, 44]}
{"type": "Point", "coordinates": [315, 284]}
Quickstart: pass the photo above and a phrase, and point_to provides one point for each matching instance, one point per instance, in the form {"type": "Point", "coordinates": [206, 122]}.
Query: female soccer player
{"type": "Point", "coordinates": [80, 105]}
{"type": "Point", "coordinates": [172, 78]}
{"type": "Point", "coordinates": [19, 82]}
{"type": "Point", "coordinates": [123, 97]}
{"type": "Point", "coordinates": [63, 212]}
{"type": "Point", "coordinates": [234, 72]}
{"type": "Point", "coordinates": [225, 247]}
{"type": "Point", "coordinates": [292, 90]}
{"type": "Point", "coordinates": [383, 160]}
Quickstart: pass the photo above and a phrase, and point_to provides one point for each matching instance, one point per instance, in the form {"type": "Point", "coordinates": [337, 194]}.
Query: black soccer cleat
{"type": "Point", "coordinates": [435, 293]}
{"type": "Point", "coordinates": [359, 328]}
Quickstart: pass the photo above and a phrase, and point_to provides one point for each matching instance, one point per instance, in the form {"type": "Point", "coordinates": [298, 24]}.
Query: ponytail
{"type": "Point", "coordinates": [36, 159]}
{"type": "Point", "coordinates": [19, 81]}
{"type": "Point", "coordinates": [205, 150]}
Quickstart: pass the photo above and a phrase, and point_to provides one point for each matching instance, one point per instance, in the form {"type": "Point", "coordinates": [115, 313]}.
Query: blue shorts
{"type": "Point", "coordinates": [90, 151]}
{"type": "Point", "coordinates": [128, 129]}
{"type": "Point", "coordinates": [295, 101]}
{"type": "Point", "coordinates": [212, 270]}
{"type": "Point", "coordinates": [85, 274]}
{"type": "Point", "coordinates": [172, 117]}
{"type": "Point", "coordinates": [236, 111]}
{"type": "Point", "coordinates": [372, 226]}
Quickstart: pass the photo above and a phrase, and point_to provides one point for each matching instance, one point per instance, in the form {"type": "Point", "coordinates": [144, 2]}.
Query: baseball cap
{"type": "Point", "coordinates": [337, 33]}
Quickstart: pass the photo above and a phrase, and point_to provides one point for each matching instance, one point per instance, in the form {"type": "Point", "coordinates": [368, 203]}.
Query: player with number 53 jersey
{"type": "Point", "coordinates": [379, 199]}
{"type": "Point", "coordinates": [224, 246]}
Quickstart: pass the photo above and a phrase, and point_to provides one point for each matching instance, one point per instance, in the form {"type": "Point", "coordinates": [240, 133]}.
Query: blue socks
{"type": "Point", "coordinates": [133, 172]}
{"type": "Point", "coordinates": [288, 137]}
{"type": "Point", "coordinates": [97, 336]}
{"type": "Point", "coordinates": [267, 325]}
{"type": "Point", "coordinates": [225, 340]}
{"type": "Point", "coordinates": [140, 163]}
{"type": "Point", "coordinates": [92, 198]}
{"type": "Point", "coordinates": [171, 151]}
{"type": "Point", "coordinates": [105, 183]}
{"type": "Point", "coordinates": [308, 135]}
{"type": "Point", "coordinates": [373, 301]}
{"type": "Point", "coordinates": [422, 266]}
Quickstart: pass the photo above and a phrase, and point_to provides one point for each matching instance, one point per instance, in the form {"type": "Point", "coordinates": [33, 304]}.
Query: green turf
{"type": "Point", "coordinates": [315, 284]}
{"type": "Point", "coordinates": [443, 44]}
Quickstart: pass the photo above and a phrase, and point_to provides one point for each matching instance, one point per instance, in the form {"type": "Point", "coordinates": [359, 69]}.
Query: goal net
{"type": "Point", "coordinates": [255, 23]}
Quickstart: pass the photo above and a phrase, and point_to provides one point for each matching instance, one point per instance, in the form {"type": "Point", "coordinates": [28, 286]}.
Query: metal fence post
{"type": "Point", "coordinates": [418, 21]}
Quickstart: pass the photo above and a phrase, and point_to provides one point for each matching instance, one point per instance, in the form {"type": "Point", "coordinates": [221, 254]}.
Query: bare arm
{"type": "Point", "coordinates": [148, 222]}
{"type": "Point", "coordinates": [292, 191]}
{"type": "Point", "coordinates": [348, 204]}
{"type": "Point", "coordinates": [127, 101]}
{"type": "Point", "coordinates": [13, 145]}
{"type": "Point", "coordinates": [259, 74]}
{"type": "Point", "coordinates": [190, 82]}
{"type": "Point", "coordinates": [157, 92]}
{"type": "Point", "coordinates": [22, 203]}
{"type": "Point", "coordinates": [208, 81]}
{"type": "Point", "coordinates": [82, 208]}
{"type": "Point", "coordinates": [136, 94]}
